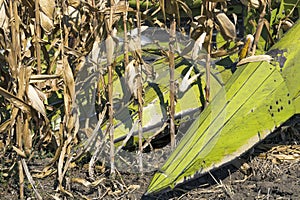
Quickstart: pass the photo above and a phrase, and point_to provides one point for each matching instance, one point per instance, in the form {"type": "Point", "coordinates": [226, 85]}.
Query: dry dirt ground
{"type": "Point", "coordinates": [269, 171]}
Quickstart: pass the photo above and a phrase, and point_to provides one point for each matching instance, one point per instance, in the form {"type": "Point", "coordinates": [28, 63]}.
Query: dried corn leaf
{"type": "Point", "coordinates": [43, 77]}
{"type": "Point", "coordinates": [109, 45]}
{"type": "Point", "coordinates": [35, 100]}
{"type": "Point", "coordinates": [69, 79]}
{"type": "Point", "coordinates": [73, 122]}
{"type": "Point", "coordinates": [2, 145]}
{"type": "Point", "coordinates": [133, 187]}
{"type": "Point", "coordinates": [19, 152]}
{"type": "Point", "coordinates": [65, 191]}
{"type": "Point", "coordinates": [3, 16]}
{"type": "Point", "coordinates": [198, 46]}
{"type": "Point", "coordinates": [130, 77]}
{"type": "Point", "coordinates": [227, 27]}
{"type": "Point", "coordinates": [255, 4]}
{"type": "Point", "coordinates": [47, 7]}
{"type": "Point", "coordinates": [285, 157]}
{"type": "Point", "coordinates": [46, 22]}
{"type": "Point", "coordinates": [15, 100]}
{"type": "Point", "coordinates": [74, 3]}
{"type": "Point", "coordinates": [5, 126]}
{"type": "Point", "coordinates": [46, 172]}
{"type": "Point", "coordinates": [87, 183]}
{"type": "Point", "coordinates": [97, 182]}
{"type": "Point", "coordinates": [81, 181]}
{"type": "Point", "coordinates": [117, 9]}
{"type": "Point", "coordinates": [115, 193]}
{"type": "Point", "coordinates": [60, 166]}
{"type": "Point", "coordinates": [257, 58]}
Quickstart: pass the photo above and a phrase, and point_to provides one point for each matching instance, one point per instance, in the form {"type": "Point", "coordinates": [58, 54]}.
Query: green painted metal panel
{"type": "Point", "coordinates": [257, 99]}
{"type": "Point", "coordinates": [157, 97]}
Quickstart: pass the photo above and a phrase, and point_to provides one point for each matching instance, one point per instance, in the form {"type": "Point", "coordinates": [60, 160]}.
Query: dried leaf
{"type": "Point", "coordinates": [198, 46]}
{"type": "Point", "coordinates": [130, 77]}
{"type": "Point", "coordinates": [287, 24]}
{"type": "Point", "coordinates": [87, 183]}
{"type": "Point", "coordinates": [227, 27]}
{"type": "Point", "coordinates": [35, 100]}
{"type": "Point", "coordinates": [186, 81]}
{"type": "Point", "coordinates": [97, 182]}
{"type": "Point", "coordinates": [119, 8]}
{"type": "Point", "coordinates": [81, 181]}
{"type": "Point", "coordinates": [43, 77]}
{"type": "Point", "coordinates": [46, 22]}
{"type": "Point", "coordinates": [133, 187]}
{"type": "Point", "coordinates": [74, 3]}
{"type": "Point", "coordinates": [5, 126]}
{"type": "Point", "coordinates": [15, 100]}
{"type": "Point", "coordinates": [284, 157]}
{"type": "Point", "coordinates": [109, 45]}
{"type": "Point", "coordinates": [47, 7]}
{"type": "Point", "coordinates": [19, 152]}
{"type": "Point", "coordinates": [3, 16]}
{"type": "Point", "coordinates": [257, 58]}
{"type": "Point", "coordinates": [65, 191]}
{"type": "Point", "coordinates": [255, 4]}
{"type": "Point", "coordinates": [69, 79]}
{"type": "Point", "coordinates": [46, 172]}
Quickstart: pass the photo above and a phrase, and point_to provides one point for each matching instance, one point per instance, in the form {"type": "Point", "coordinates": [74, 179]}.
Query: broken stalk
{"type": "Point", "coordinates": [172, 81]}
{"type": "Point", "coordinates": [139, 87]}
